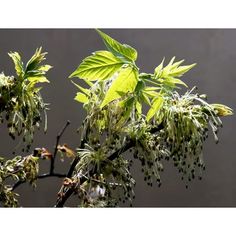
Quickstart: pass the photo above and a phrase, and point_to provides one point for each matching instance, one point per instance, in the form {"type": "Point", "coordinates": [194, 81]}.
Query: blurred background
{"type": "Point", "coordinates": [214, 51]}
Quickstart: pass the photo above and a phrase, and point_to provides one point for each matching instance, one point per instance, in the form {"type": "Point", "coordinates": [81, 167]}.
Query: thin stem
{"type": "Point", "coordinates": [46, 175]}
{"type": "Point", "coordinates": [56, 146]}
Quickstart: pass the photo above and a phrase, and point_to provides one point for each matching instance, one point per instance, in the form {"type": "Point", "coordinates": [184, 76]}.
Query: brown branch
{"type": "Point", "coordinates": [52, 164]}
{"type": "Point", "coordinates": [46, 175]}
{"type": "Point", "coordinates": [55, 148]}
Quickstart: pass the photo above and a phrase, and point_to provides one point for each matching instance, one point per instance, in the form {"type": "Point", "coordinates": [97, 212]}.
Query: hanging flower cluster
{"type": "Point", "coordinates": [21, 104]}
{"type": "Point", "coordinates": [17, 169]}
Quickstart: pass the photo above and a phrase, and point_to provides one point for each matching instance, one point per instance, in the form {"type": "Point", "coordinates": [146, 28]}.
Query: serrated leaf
{"type": "Point", "coordinates": [99, 66]}
{"type": "Point", "coordinates": [117, 48]}
{"type": "Point", "coordinates": [156, 106]}
{"type": "Point", "coordinates": [81, 97]}
{"type": "Point", "coordinates": [125, 82]}
{"type": "Point", "coordinates": [19, 67]}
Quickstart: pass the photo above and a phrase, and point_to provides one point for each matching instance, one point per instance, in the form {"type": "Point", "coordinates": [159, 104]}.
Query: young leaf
{"type": "Point", "coordinates": [44, 68]}
{"type": "Point", "coordinates": [159, 68]}
{"type": "Point", "coordinates": [19, 67]}
{"type": "Point", "coordinates": [117, 48]}
{"type": "Point", "coordinates": [37, 79]}
{"type": "Point", "coordinates": [145, 99]}
{"type": "Point", "coordinates": [156, 106]}
{"type": "Point", "coordinates": [80, 97]}
{"type": "Point", "coordinates": [35, 60]}
{"type": "Point", "coordinates": [138, 106]}
{"type": "Point", "coordinates": [178, 72]}
{"type": "Point", "coordinates": [172, 81]}
{"type": "Point", "coordinates": [101, 65]}
{"type": "Point", "coordinates": [172, 69]}
{"type": "Point", "coordinates": [222, 110]}
{"type": "Point", "coordinates": [84, 90]}
{"type": "Point", "coordinates": [125, 82]}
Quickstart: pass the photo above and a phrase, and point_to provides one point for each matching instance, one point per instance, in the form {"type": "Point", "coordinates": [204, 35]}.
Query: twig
{"type": "Point", "coordinates": [56, 146]}
{"type": "Point", "coordinates": [129, 144]}
{"type": "Point", "coordinates": [52, 164]}
{"type": "Point", "coordinates": [46, 175]}
{"type": "Point", "coordinates": [74, 163]}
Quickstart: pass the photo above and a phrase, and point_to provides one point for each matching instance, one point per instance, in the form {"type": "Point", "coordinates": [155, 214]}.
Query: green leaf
{"type": "Point", "coordinates": [44, 68]}
{"type": "Point", "coordinates": [145, 99]}
{"type": "Point", "coordinates": [178, 72]}
{"type": "Point", "coordinates": [159, 68]}
{"type": "Point", "coordinates": [84, 90]}
{"type": "Point", "coordinates": [138, 106]}
{"type": "Point", "coordinates": [156, 106]}
{"type": "Point", "coordinates": [80, 97]}
{"type": "Point", "coordinates": [125, 82]}
{"type": "Point", "coordinates": [172, 81]}
{"type": "Point", "coordinates": [101, 65]}
{"type": "Point", "coordinates": [222, 110]}
{"type": "Point", "coordinates": [35, 60]}
{"type": "Point", "coordinates": [172, 69]}
{"type": "Point", "coordinates": [19, 67]}
{"type": "Point", "coordinates": [117, 48]}
{"type": "Point", "coordinates": [151, 94]}
{"type": "Point", "coordinates": [89, 83]}
{"type": "Point", "coordinates": [139, 87]}
{"type": "Point", "coordinates": [37, 79]}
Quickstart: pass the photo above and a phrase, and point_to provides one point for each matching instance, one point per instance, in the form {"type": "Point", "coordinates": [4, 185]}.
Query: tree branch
{"type": "Point", "coordinates": [17, 184]}
{"type": "Point", "coordinates": [55, 148]}
{"type": "Point", "coordinates": [52, 164]}
{"type": "Point", "coordinates": [129, 144]}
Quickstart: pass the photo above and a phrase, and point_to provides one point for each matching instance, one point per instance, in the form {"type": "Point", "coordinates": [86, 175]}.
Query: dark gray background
{"type": "Point", "coordinates": [213, 50]}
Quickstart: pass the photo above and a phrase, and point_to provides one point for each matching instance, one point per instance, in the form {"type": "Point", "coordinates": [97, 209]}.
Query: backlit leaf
{"type": "Point", "coordinates": [19, 67]}
{"type": "Point", "coordinates": [84, 90]}
{"type": "Point", "coordinates": [35, 60]}
{"type": "Point", "coordinates": [156, 106]}
{"type": "Point", "coordinates": [125, 82]}
{"type": "Point", "coordinates": [117, 48]}
{"type": "Point", "coordinates": [80, 97]}
{"type": "Point", "coordinates": [38, 79]}
{"type": "Point", "coordinates": [101, 65]}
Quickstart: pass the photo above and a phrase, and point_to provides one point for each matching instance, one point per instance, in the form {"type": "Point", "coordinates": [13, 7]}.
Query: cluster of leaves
{"type": "Point", "coordinates": [20, 101]}
{"type": "Point", "coordinates": [16, 169]}
{"type": "Point", "coordinates": [173, 128]}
